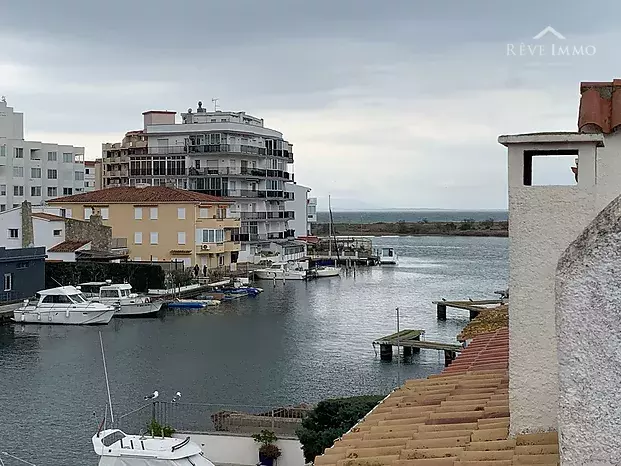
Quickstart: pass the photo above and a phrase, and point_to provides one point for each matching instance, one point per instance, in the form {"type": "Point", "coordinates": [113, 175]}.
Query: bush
{"type": "Point", "coordinates": [157, 430]}
{"type": "Point", "coordinates": [267, 439]}
{"type": "Point", "coordinates": [488, 224]}
{"type": "Point", "coordinates": [467, 224]}
{"type": "Point", "coordinates": [331, 419]}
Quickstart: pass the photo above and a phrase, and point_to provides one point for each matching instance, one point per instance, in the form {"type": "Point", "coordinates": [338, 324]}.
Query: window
{"type": "Point", "coordinates": [222, 212]}
{"type": "Point", "coordinates": [154, 237]}
{"type": "Point", "coordinates": [35, 173]}
{"type": "Point", "coordinates": [52, 174]}
{"type": "Point", "coordinates": [2, 207]}
{"type": "Point", "coordinates": [13, 233]}
{"type": "Point", "coordinates": [181, 213]}
{"type": "Point", "coordinates": [181, 237]}
{"type": "Point", "coordinates": [2, 190]}
{"type": "Point", "coordinates": [203, 212]}
{"type": "Point", "coordinates": [35, 191]}
{"type": "Point", "coordinates": [52, 191]}
{"type": "Point", "coordinates": [197, 164]}
{"type": "Point", "coordinates": [105, 213]}
{"type": "Point", "coordinates": [138, 237]}
{"type": "Point", "coordinates": [58, 232]}
{"type": "Point", "coordinates": [52, 156]}
{"type": "Point", "coordinates": [8, 281]}
{"type": "Point", "coordinates": [67, 157]}
{"type": "Point", "coordinates": [220, 260]}
{"type": "Point", "coordinates": [67, 191]}
{"type": "Point", "coordinates": [15, 205]}
{"type": "Point", "coordinates": [138, 213]}
{"type": "Point", "coordinates": [88, 211]}
{"type": "Point", "coordinates": [87, 171]}
{"type": "Point", "coordinates": [211, 236]}
{"type": "Point", "coordinates": [18, 172]}
{"type": "Point", "coordinates": [79, 176]}
{"type": "Point", "coordinates": [19, 152]}
{"type": "Point", "coordinates": [22, 265]}
{"type": "Point", "coordinates": [34, 154]}
{"type": "Point", "coordinates": [18, 190]}
{"type": "Point", "coordinates": [153, 213]}
{"type": "Point", "coordinates": [3, 150]}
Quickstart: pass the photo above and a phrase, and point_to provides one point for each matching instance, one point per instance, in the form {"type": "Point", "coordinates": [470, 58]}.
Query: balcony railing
{"type": "Point", "coordinates": [245, 237]}
{"type": "Point", "coordinates": [213, 171]}
{"type": "Point", "coordinates": [220, 149]}
{"type": "Point", "coordinates": [281, 215]}
{"type": "Point", "coordinates": [253, 215]}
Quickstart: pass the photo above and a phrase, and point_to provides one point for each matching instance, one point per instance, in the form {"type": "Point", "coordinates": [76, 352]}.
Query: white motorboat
{"type": "Point", "coordinates": [116, 448]}
{"type": "Point", "coordinates": [128, 304]}
{"type": "Point", "coordinates": [327, 271]}
{"type": "Point", "coordinates": [281, 271]}
{"type": "Point", "coordinates": [63, 305]}
{"type": "Point", "coordinates": [388, 256]}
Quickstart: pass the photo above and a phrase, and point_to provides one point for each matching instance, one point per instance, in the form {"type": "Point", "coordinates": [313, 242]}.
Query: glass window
{"type": "Point", "coordinates": [138, 237]}
{"type": "Point", "coordinates": [8, 281]}
{"type": "Point", "coordinates": [35, 191]}
{"type": "Point", "coordinates": [3, 150]}
{"type": "Point", "coordinates": [13, 233]}
{"type": "Point", "coordinates": [67, 191]}
{"type": "Point", "coordinates": [19, 152]}
{"type": "Point", "coordinates": [154, 237]}
{"type": "Point", "coordinates": [52, 156]}
{"type": "Point", "coordinates": [88, 211]}
{"type": "Point", "coordinates": [79, 176]}
{"type": "Point", "coordinates": [67, 157]}
{"type": "Point", "coordinates": [52, 191]}
{"type": "Point", "coordinates": [52, 174]}
{"type": "Point", "coordinates": [181, 213]}
{"type": "Point", "coordinates": [2, 190]}
{"type": "Point", "coordinates": [153, 213]}
{"type": "Point", "coordinates": [35, 173]}
{"type": "Point", "coordinates": [138, 213]}
{"type": "Point", "coordinates": [18, 172]}
{"type": "Point", "coordinates": [18, 190]}
{"type": "Point", "coordinates": [181, 237]}
{"type": "Point", "coordinates": [105, 213]}
{"type": "Point", "coordinates": [58, 232]}
{"type": "Point", "coordinates": [203, 212]}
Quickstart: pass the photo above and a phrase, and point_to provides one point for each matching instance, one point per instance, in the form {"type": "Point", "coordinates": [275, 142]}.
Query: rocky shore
{"type": "Point", "coordinates": [464, 228]}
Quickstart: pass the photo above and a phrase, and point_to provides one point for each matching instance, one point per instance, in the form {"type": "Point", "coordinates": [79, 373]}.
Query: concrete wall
{"type": "Point", "coordinates": [299, 206]}
{"type": "Point", "coordinates": [243, 450]}
{"type": "Point", "coordinates": [543, 221]}
{"type": "Point", "coordinates": [588, 317]}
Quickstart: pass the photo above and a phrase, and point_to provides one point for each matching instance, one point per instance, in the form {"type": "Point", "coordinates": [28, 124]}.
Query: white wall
{"type": "Point", "coordinates": [243, 450]}
{"type": "Point", "coordinates": [298, 205]}
{"type": "Point", "coordinates": [543, 221]}
{"type": "Point", "coordinates": [43, 230]}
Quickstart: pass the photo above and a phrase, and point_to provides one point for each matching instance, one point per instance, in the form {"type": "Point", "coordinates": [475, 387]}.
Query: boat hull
{"type": "Point", "coordinates": [268, 275]}
{"type": "Point", "coordinates": [328, 272]}
{"type": "Point", "coordinates": [139, 310]}
{"type": "Point", "coordinates": [72, 317]}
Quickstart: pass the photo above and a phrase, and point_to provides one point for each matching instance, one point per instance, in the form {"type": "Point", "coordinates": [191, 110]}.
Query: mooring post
{"type": "Point", "coordinates": [441, 311]}
{"type": "Point", "coordinates": [407, 351]}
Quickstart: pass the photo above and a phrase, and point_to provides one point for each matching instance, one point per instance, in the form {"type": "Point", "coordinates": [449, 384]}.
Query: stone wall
{"type": "Point", "coordinates": [27, 226]}
{"type": "Point", "coordinates": [92, 230]}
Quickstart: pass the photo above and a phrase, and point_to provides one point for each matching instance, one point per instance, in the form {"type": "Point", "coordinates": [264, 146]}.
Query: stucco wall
{"type": "Point", "coordinates": [588, 317]}
{"type": "Point", "coordinates": [242, 450]}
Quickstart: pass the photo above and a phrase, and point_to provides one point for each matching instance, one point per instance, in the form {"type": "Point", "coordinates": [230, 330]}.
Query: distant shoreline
{"type": "Point", "coordinates": [487, 228]}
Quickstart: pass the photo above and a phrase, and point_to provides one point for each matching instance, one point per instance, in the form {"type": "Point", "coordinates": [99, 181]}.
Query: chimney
{"type": "Point", "coordinates": [27, 227]}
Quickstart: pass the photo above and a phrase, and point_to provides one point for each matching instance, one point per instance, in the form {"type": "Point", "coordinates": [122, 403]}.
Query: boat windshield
{"type": "Point", "coordinates": [276, 266]}
{"type": "Point", "coordinates": [125, 293]}
{"type": "Point", "coordinates": [109, 294]}
{"type": "Point", "coordinates": [112, 438]}
{"type": "Point", "coordinates": [77, 298]}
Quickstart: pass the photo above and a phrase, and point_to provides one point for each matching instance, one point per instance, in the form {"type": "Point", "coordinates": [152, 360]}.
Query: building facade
{"type": "Point", "coordinates": [227, 154]}
{"type": "Point", "coordinates": [158, 223]}
{"type": "Point", "coordinates": [23, 273]}
{"type": "Point", "coordinates": [90, 175]}
{"type": "Point", "coordinates": [31, 170]}
{"type": "Point", "coordinates": [298, 206]}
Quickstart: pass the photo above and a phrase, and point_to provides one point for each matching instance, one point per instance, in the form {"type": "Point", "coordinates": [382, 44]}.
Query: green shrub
{"type": "Point", "coordinates": [156, 429]}
{"type": "Point", "coordinates": [331, 419]}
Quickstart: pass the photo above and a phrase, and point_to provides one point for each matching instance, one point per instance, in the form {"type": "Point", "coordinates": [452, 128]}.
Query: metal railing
{"type": "Point", "coordinates": [211, 171]}
{"type": "Point", "coordinates": [219, 149]}
{"type": "Point", "coordinates": [207, 417]}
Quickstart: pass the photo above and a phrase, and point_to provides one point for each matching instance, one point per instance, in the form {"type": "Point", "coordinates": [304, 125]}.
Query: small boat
{"type": "Point", "coordinates": [281, 271]}
{"type": "Point", "coordinates": [193, 303]}
{"type": "Point", "coordinates": [63, 305]}
{"type": "Point", "coordinates": [128, 304]}
{"type": "Point", "coordinates": [388, 256]}
{"type": "Point", "coordinates": [116, 448]}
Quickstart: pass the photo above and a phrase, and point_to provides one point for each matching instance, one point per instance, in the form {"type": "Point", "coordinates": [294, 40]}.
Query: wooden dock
{"type": "Point", "coordinates": [474, 307]}
{"type": "Point", "coordinates": [411, 342]}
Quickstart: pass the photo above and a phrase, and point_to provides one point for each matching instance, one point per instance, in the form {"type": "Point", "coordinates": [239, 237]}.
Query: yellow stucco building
{"type": "Point", "coordinates": [158, 223]}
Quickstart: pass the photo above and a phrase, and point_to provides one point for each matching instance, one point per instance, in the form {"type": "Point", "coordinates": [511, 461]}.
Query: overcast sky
{"type": "Point", "coordinates": [393, 103]}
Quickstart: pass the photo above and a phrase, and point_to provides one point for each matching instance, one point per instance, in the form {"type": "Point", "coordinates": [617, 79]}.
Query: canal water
{"type": "Point", "coordinates": [295, 343]}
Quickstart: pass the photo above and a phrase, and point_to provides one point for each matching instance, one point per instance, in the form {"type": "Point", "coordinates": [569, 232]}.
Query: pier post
{"type": "Point", "coordinates": [386, 352]}
{"type": "Point", "coordinates": [407, 351]}
{"type": "Point", "coordinates": [416, 350]}
{"type": "Point", "coordinates": [441, 311]}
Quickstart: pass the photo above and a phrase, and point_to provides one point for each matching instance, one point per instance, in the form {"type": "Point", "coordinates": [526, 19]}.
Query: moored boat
{"type": "Point", "coordinates": [281, 271]}
{"type": "Point", "coordinates": [128, 304]}
{"type": "Point", "coordinates": [388, 256]}
{"type": "Point", "coordinates": [63, 305]}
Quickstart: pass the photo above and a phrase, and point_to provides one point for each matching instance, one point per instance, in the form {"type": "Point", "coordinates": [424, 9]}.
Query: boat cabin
{"type": "Point", "coordinates": [388, 252]}
{"type": "Point", "coordinates": [61, 295]}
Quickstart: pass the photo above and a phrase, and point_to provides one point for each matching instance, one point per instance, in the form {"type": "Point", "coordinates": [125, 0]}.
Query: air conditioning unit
{"type": "Point", "coordinates": [205, 247]}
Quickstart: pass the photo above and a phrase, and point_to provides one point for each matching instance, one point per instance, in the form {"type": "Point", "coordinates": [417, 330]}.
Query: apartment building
{"type": "Point", "coordinates": [229, 154]}
{"type": "Point", "coordinates": [31, 170]}
{"type": "Point", "coordinates": [159, 223]}
{"type": "Point", "coordinates": [90, 175]}
{"type": "Point", "coordinates": [299, 206]}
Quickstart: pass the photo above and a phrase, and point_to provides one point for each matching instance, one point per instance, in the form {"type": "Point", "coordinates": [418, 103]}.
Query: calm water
{"type": "Point", "coordinates": [295, 343]}
{"type": "Point", "coordinates": [374, 216]}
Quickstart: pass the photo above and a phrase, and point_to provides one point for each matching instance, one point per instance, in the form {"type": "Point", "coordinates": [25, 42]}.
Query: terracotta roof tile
{"type": "Point", "coordinates": [129, 194]}
{"type": "Point", "coordinates": [459, 417]}
{"type": "Point", "coordinates": [68, 246]}
{"type": "Point", "coordinates": [600, 107]}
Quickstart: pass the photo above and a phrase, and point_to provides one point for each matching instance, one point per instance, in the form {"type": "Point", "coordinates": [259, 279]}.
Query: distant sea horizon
{"type": "Point", "coordinates": [410, 215]}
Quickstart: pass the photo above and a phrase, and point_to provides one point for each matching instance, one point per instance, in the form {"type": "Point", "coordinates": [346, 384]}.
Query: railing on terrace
{"type": "Point", "coordinates": [206, 417]}
{"type": "Point", "coordinates": [219, 149]}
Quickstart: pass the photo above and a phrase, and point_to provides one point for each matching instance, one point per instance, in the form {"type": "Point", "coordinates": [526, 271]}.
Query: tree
{"type": "Point", "coordinates": [488, 224]}
{"type": "Point", "coordinates": [401, 227]}
{"type": "Point", "coordinates": [450, 226]}
{"type": "Point", "coordinates": [467, 224]}
{"type": "Point", "coordinates": [331, 419]}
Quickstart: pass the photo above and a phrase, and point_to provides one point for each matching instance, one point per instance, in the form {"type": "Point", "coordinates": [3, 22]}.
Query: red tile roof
{"type": "Point", "coordinates": [458, 417]}
{"type": "Point", "coordinates": [68, 246]}
{"type": "Point", "coordinates": [600, 107]}
{"type": "Point", "coordinates": [133, 195]}
{"type": "Point", "coordinates": [46, 216]}
{"type": "Point", "coordinates": [89, 163]}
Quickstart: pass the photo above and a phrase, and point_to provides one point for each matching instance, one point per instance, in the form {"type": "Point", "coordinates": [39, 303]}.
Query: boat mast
{"type": "Point", "coordinates": [332, 234]}
{"type": "Point", "coordinates": [330, 228]}
{"type": "Point", "coordinates": [103, 356]}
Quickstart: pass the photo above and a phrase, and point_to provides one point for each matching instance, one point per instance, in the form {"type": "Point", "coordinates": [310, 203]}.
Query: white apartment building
{"type": "Point", "coordinates": [299, 205]}
{"type": "Point", "coordinates": [90, 175]}
{"type": "Point", "coordinates": [32, 170]}
{"type": "Point", "coordinates": [228, 154]}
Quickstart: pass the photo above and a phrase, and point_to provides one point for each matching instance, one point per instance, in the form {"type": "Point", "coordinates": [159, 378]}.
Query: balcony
{"type": "Point", "coordinates": [117, 173]}
{"type": "Point", "coordinates": [227, 171]}
{"type": "Point", "coordinates": [207, 149]}
{"type": "Point", "coordinates": [281, 215]}
{"type": "Point", "coordinates": [246, 237]}
{"type": "Point", "coordinates": [210, 248]}
{"type": "Point", "coordinates": [218, 223]}
{"type": "Point", "coordinates": [253, 215]}
{"type": "Point", "coordinates": [279, 235]}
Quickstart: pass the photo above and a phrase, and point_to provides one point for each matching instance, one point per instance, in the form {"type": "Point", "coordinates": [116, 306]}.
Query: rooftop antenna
{"type": "Point", "coordinates": [103, 357]}
{"type": "Point", "coordinates": [215, 104]}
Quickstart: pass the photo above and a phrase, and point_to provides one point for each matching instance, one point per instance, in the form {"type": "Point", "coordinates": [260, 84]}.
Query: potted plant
{"type": "Point", "coordinates": [268, 451]}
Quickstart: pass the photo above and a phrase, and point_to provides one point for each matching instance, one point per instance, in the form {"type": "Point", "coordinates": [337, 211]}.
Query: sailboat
{"type": "Point", "coordinates": [116, 448]}
{"type": "Point", "coordinates": [329, 271]}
